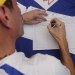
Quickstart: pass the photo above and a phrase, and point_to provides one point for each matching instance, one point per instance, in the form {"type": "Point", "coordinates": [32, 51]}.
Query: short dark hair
{"type": "Point", "coordinates": [8, 4]}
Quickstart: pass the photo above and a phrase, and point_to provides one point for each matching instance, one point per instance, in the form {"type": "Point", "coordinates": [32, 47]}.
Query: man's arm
{"type": "Point", "coordinates": [58, 32]}
{"type": "Point", "coordinates": [65, 56]}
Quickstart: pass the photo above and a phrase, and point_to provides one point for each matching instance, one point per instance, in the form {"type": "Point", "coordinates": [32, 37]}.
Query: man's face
{"type": "Point", "coordinates": [16, 20]}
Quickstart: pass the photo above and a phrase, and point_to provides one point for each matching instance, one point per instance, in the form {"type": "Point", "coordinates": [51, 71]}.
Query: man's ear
{"type": "Point", "coordinates": [3, 17]}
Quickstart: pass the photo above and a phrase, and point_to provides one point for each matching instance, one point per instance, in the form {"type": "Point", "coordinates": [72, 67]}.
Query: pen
{"type": "Point", "coordinates": [54, 24]}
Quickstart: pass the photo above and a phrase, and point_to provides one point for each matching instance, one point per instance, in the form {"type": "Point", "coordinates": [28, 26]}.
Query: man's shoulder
{"type": "Point", "coordinates": [39, 63]}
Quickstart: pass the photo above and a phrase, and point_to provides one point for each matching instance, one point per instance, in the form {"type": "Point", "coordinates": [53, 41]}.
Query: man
{"type": "Point", "coordinates": [15, 63]}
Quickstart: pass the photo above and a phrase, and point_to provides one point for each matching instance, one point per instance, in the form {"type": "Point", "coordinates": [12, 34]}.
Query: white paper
{"type": "Point", "coordinates": [28, 29]}
{"type": "Point", "coordinates": [42, 39]}
{"type": "Point", "coordinates": [72, 50]}
{"type": "Point", "coordinates": [28, 32]}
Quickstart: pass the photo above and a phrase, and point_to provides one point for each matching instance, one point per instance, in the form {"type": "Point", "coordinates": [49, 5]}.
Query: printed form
{"type": "Point", "coordinates": [43, 40]}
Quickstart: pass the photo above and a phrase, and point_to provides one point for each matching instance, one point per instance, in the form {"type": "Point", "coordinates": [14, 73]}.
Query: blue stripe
{"type": "Point", "coordinates": [10, 70]}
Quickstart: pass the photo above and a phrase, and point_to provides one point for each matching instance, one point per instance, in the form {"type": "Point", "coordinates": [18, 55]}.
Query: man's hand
{"type": "Point", "coordinates": [34, 17]}
{"type": "Point", "coordinates": [58, 32]}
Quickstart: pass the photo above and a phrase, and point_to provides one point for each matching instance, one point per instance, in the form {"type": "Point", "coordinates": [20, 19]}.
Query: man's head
{"type": "Point", "coordinates": [10, 19]}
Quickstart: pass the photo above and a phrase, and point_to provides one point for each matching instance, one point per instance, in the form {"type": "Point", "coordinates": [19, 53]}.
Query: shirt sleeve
{"type": "Point", "coordinates": [48, 65]}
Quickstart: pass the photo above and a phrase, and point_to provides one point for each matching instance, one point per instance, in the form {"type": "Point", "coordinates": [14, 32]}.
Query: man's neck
{"type": "Point", "coordinates": [6, 49]}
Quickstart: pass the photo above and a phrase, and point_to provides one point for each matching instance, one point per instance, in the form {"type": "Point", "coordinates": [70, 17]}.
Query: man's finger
{"type": "Point", "coordinates": [55, 20]}
{"type": "Point", "coordinates": [42, 13]}
{"type": "Point", "coordinates": [41, 17]}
